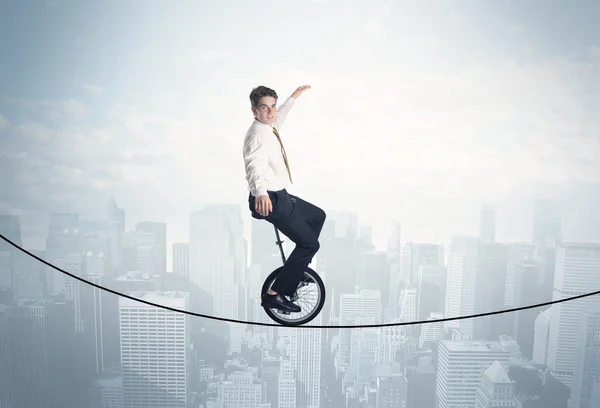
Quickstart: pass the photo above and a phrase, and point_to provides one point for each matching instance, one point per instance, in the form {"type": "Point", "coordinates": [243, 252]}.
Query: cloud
{"type": "Point", "coordinates": [3, 123]}
{"type": "Point", "coordinates": [375, 24]}
{"type": "Point", "coordinates": [409, 116]}
{"type": "Point", "coordinates": [500, 123]}
{"type": "Point", "coordinates": [94, 89]}
{"type": "Point", "coordinates": [46, 169]}
{"type": "Point", "coordinates": [482, 131]}
{"type": "Point", "coordinates": [214, 55]}
{"type": "Point", "coordinates": [54, 109]}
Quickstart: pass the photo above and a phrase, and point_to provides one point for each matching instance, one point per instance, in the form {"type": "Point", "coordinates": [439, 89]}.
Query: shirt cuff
{"type": "Point", "coordinates": [260, 192]}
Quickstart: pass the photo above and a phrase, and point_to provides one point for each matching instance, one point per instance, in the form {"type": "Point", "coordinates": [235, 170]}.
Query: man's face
{"type": "Point", "coordinates": [266, 110]}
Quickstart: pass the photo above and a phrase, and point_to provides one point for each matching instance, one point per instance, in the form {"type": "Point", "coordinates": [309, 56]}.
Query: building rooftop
{"type": "Point", "coordinates": [497, 373]}
{"type": "Point", "coordinates": [137, 276]}
{"type": "Point", "coordinates": [473, 346]}
{"type": "Point", "coordinates": [580, 245]}
{"type": "Point", "coordinates": [173, 299]}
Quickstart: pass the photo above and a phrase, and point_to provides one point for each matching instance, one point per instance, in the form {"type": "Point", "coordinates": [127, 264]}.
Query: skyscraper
{"type": "Point", "coordinates": [460, 365]}
{"type": "Point", "coordinates": [587, 361]}
{"type": "Point", "coordinates": [240, 390]}
{"type": "Point", "coordinates": [154, 352]}
{"type": "Point", "coordinates": [577, 273]}
{"type": "Point", "coordinates": [462, 273]}
{"type": "Point", "coordinates": [487, 223]}
{"type": "Point", "coordinates": [305, 359]}
{"type": "Point", "coordinates": [496, 389]}
{"type": "Point", "coordinates": [10, 227]}
{"type": "Point", "coordinates": [489, 291]}
{"type": "Point", "coordinates": [181, 260]}
{"type": "Point", "coordinates": [365, 304]}
{"type": "Point", "coordinates": [517, 253]}
{"type": "Point", "coordinates": [391, 391]}
{"type": "Point", "coordinates": [547, 222]}
{"type": "Point", "coordinates": [212, 262]}
{"type": "Point", "coordinates": [160, 230]}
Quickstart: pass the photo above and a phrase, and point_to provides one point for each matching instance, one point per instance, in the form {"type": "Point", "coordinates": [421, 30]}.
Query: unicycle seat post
{"type": "Point", "coordinates": [279, 242]}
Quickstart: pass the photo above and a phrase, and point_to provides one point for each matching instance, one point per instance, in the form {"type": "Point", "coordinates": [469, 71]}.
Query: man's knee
{"type": "Point", "coordinates": [321, 215]}
{"type": "Point", "coordinates": [312, 246]}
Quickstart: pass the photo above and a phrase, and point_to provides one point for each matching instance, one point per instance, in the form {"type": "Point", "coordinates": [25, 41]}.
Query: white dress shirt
{"type": "Point", "coordinates": [263, 159]}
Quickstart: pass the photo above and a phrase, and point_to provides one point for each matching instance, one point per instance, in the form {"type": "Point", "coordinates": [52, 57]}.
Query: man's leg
{"type": "Point", "coordinates": [303, 226]}
{"type": "Point", "coordinates": [314, 215]}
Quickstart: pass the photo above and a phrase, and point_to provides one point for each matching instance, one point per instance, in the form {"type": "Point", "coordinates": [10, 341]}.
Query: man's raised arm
{"type": "Point", "coordinates": [284, 109]}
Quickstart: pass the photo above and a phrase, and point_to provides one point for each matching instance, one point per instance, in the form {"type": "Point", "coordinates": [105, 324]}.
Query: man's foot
{"type": "Point", "coordinates": [279, 302]}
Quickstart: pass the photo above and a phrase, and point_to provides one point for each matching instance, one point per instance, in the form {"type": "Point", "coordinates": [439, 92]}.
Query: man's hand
{"type": "Point", "coordinates": [299, 91]}
{"type": "Point", "coordinates": [263, 205]}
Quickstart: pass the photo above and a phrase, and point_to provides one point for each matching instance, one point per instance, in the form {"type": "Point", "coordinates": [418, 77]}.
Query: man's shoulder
{"type": "Point", "coordinates": [251, 134]}
{"type": "Point", "coordinates": [252, 138]}
{"type": "Point", "coordinates": [254, 132]}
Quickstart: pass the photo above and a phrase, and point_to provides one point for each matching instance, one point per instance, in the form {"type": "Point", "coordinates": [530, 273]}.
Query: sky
{"type": "Point", "coordinates": [419, 111]}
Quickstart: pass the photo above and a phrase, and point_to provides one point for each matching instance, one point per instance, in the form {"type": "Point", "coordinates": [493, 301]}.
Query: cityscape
{"type": "Point", "coordinates": [69, 344]}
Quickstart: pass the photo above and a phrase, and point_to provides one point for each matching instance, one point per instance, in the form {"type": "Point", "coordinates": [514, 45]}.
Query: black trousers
{"type": "Point", "coordinates": [301, 222]}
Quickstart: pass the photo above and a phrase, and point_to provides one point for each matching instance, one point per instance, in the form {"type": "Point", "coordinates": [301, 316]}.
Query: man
{"type": "Point", "coordinates": [268, 175]}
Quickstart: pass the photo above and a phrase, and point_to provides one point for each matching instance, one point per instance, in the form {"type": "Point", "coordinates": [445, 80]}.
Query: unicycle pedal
{"type": "Point", "coordinates": [285, 312]}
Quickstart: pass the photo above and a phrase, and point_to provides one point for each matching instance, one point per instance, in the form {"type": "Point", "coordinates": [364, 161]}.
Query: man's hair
{"type": "Point", "coordinates": [259, 92]}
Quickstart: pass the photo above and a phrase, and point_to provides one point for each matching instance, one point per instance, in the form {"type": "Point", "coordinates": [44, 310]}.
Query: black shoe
{"type": "Point", "coordinates": [279, 302]}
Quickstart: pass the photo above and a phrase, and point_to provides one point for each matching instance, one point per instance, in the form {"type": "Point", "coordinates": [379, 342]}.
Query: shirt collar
{"type": "Point", "coordinates": [259, 124]}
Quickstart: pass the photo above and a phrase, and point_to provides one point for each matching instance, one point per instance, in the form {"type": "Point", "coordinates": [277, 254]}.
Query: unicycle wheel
{"type": "Point", "coordinates": [310, 296]}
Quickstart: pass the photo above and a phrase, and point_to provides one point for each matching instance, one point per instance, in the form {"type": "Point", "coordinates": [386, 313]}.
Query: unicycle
{"type": "Point", "coordinates": [310, 295]}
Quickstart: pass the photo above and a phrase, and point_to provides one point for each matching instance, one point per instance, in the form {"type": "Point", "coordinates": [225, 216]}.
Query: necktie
{"type": "Point", "coordinates": [284, 155]}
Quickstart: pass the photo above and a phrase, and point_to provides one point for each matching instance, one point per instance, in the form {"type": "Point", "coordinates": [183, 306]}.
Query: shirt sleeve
{"type": "Point", "coordinates": [282, 112]}
{"type": "Point", "coordinates": [256, 160]}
